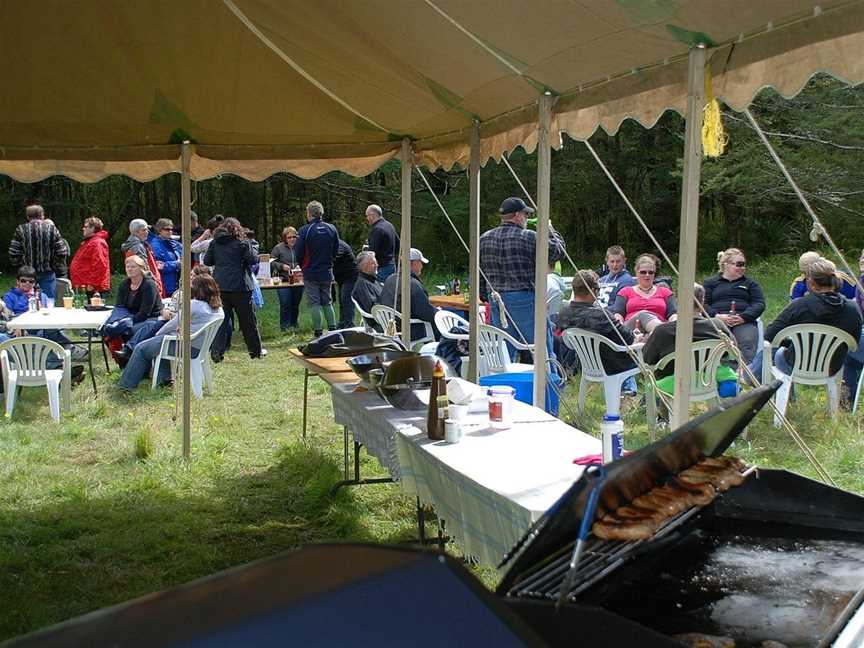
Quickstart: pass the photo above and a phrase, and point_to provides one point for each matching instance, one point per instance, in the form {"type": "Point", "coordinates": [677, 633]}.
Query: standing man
{"type": "Point", "coordinates": [317, 246]}
{"type": "Point", "coordinates": [345, 273]}
{"type": "Point", "coordinates": [616, 276]}
{"type": "Point", "coordinates": [382, 240]}
{"type": "Point", "coordinates": [39, 244]}
{"type": "Point", "coordinates": [507, 259]}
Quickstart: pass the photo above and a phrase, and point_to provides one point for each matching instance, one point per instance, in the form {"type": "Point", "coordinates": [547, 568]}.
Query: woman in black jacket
{"type": "Point", "coordinates": [231, 256]}
{"type": "Point", "coordinates": [138, 305]}
{"type": "Point", "coordinates": [736, 300]}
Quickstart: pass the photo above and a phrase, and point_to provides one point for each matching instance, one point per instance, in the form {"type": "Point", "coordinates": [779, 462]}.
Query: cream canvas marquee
{"type": "Point", "coordinates": [92, 88]}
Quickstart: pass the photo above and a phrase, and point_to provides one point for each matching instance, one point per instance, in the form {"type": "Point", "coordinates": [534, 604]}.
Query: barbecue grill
{"type": "Point", "coordinates": [779, 557]}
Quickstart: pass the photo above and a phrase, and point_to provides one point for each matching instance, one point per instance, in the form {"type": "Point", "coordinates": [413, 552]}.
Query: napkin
{"type": "Point", "coordinates": [462, 392]}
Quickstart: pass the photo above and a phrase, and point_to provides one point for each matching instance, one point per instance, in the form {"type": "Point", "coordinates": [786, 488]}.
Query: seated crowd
{"type": "Point", "coordinates": [622, 307]}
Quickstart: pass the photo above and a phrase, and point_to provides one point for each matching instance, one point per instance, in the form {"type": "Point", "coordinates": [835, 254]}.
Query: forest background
{"type": "Point", "coordinates": [745, 202]}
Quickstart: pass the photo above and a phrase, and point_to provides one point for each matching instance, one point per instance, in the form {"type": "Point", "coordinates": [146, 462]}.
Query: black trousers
{"type": "Point", "coordinates": [346, 305]}
{"type": "Point", "coordinates": [239, 302]}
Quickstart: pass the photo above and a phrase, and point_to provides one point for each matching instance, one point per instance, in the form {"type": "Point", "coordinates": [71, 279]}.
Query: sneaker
{"type": "Point", "coordinates": [79, 353]}
{"type": "Point", "coordinates": [121, 357]}
{"type": "Point", "coordinates": [263, 352]}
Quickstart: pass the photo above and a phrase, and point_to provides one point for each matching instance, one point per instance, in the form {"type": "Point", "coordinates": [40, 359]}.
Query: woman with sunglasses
{"type": "Point", "coordinates": [646, 304]}
{"type": "Point", "coordinates": [283, 259]}
{"type": "Point", "coordinates": [168, 254]}
{"type": "Point", "coordinates": [737, 300]}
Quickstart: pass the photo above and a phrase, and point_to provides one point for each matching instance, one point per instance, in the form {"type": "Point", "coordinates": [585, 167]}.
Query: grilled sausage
{"type": "Point", "coordinates": [626, 530]}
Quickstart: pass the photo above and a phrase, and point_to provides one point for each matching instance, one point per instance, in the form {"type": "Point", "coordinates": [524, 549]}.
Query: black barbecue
{"type": "Point", "coordinates": [779, 557]}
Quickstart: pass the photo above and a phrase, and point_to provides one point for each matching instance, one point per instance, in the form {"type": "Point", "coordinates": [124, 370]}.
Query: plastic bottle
{"type": "Point", "coordinates": [438, 405]}
{"type": "Point", "coordinates": [612, 435]}
{"type": "Point", "coordinates": [732, 308]}
{"type": "Point", "coordinates": [31, 302]}
{"type": "Point", "coordinates": [456, 286]}
{"type": "Point", "coordinates": [38, 295]}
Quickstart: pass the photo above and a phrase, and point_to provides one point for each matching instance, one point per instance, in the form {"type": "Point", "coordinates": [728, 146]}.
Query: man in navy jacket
{"type": "Point", "coordinates": [316, 247]}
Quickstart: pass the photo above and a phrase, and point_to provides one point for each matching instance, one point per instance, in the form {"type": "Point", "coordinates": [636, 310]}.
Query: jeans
{"type": "Point", "coordinates": [385, 271]}
{"type": "Point", "coordinates": [346, 304]}
{"type": "Point", "coordinates": [520, 307]}
{"type": "Point", "coordinates": [289, 306]}
{"type": "Point", "coordinates": [779, 362]}
{"type": "Point", "coordinates": [47, 284]}
{"type": "Point", "coordinates": [853, 365]}
{"type": "Point", "coordinates": [144, 331]}
{"type": "Point", "coordinates": [142, 359]}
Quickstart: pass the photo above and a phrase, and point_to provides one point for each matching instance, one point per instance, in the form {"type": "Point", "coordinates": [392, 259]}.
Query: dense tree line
{"type": "Point", "coordinates": [745, 201]}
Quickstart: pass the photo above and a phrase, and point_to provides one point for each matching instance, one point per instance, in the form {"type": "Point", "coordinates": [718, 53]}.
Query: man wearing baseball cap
{"type": "Point", "coordinates": [507, 259]}
{"type": "Point", "coordinates": [421, 309]}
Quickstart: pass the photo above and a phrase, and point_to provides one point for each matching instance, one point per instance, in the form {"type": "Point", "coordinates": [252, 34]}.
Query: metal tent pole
{"type": "Point", "coordinates": [186, 307]}
{"type": "Point", "coordinates": [405, 242]}
{"type": "Point", "coordinates": [541, 269]}
{"type": "Point", "coordinates": [688, 235]}
{"type": "Point", "coordinates": [474, 252]}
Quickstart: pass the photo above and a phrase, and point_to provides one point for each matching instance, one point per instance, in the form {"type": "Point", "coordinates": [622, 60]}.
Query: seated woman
{"type": "Point", "coordinates": [736, 300]}
{"type": "Point", "coordinates": [137, 302]}
{"type": "Point", "coordinates": [206, 307]}
{"type": "Point", "coordinates": [646, 305]}
{"type": "Point", "coordinates": [152, 326]}
{"type": "Point", "coordinates": [854, 359]}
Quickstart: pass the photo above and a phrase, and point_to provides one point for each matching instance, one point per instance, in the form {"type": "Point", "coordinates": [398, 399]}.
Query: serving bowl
{"type": "Point", "coordinates": [363, 364]}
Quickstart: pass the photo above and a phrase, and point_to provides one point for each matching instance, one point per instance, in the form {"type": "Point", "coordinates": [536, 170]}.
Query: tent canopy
{"type": "Point", "coordinates": [308, 87]}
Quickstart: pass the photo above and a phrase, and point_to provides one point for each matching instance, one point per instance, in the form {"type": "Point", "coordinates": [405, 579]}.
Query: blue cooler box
{"type": "Point", "coordinates": [523, 383]}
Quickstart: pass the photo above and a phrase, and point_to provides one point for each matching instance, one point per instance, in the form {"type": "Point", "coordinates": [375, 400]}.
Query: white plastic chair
{"type": "Point", "coordinates": [366, 317]}
{"type": "Point", "coordinates": [495, 356]}
{"type": "Point", "coordinates": [446, 320]}
{"type": "Point", "coordinates": [587, 346]}
{"type": "Point", "coordinates": [705, 357]}
{"type": "Point", "coordinates": [200, 370]}
{"type": "Point", "coordinates": [814, 345]}
{"type": "Point", "coordinates": [24, 362]}
{"type": "Point", "coordinates": [385, 316]}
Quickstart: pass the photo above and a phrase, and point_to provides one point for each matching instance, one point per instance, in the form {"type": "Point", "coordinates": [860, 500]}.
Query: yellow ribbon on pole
{"type": "Point", "coordinates": [714, 137]}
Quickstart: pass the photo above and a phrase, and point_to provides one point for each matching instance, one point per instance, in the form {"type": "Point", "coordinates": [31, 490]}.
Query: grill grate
{"type": "Point", "coordinates": [600, 558]}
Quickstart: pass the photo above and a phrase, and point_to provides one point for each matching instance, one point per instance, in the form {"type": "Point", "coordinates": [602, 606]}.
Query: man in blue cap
{"type": "Point", "coordinates": [507, 261]}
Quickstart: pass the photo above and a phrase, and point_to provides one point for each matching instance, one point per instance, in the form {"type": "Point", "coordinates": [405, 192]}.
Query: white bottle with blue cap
{"type": "Point", "coordinates": [612, 435]}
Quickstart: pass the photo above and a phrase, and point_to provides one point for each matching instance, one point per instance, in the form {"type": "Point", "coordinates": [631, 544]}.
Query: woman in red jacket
{"type": "Point", "coordinates": [90, 267]}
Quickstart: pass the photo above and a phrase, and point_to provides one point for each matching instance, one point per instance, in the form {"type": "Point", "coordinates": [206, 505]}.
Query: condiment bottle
{"type": "Point", "coordinates": [438, 405]}
{"type": "Point", "coordinates": [732, 308]}
{"type": "Point", "coordinates": [612, 436]}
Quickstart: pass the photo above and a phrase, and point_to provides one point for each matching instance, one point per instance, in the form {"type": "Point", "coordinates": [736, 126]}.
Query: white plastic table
{"type": "Point", "coordinates": [59, 319]}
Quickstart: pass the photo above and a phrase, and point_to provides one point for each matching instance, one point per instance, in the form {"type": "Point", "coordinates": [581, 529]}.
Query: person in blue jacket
{"type": "Point", "coordinates": [845, 284]}
{"type": "Point", "coordinates": [316, 247]}
{"type": "Point", "coordinates": [168, 254]}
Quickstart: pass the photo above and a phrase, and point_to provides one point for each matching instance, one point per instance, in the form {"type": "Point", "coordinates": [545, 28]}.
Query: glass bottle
{"type": "Point", "coordinates": [438, 405]}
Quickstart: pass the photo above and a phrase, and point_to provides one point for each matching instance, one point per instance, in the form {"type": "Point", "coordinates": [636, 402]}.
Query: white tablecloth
{"type": "Point", "coordinates": [490, 487]}
{"type": "Point", "coordinates": [60, 318]}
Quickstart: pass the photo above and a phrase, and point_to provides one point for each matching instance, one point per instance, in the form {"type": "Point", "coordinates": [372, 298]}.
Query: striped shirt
{"type": "Point", "coordinates": [38, 243]}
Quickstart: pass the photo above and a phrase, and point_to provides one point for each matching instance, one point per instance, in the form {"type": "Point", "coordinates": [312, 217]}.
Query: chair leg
{"type": "Point", "coordinates": [208, 375]}
{"type": "Point", "coordinates": [833, 387]}
{"type": "Point", "coordinates": [53, 387]}
{"type": "Point", "coordinates": [583, 385]}
{"type": "Point", "coordinates": [781, 399]}
{"type": "Point", "coordinates": [196, 377]}
{"type": "Point", "coordinates": [612, 393]}
{"type": "Point", "coordinates": [155, 370]}
{"type": "Point", "coordinates": [858, 391]}
{"type": "Point", "coordinates": [11, 394]}
{"type": "Point", "coordinates": [651, 409]}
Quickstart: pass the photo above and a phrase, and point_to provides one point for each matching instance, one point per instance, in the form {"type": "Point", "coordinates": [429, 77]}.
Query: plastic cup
{"type": "Point", "coordinates": [49, 302]}
{"type": "Point", "coordinates": [458, 412]}
{"type": "Point", "coordinates": [452, 431]}
{"type": "Point", "coordinates": [500, 406]}
{"type": "Point", "coordinates": [68, 302]}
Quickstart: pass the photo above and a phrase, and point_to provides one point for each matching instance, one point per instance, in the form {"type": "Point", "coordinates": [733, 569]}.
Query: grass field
{"type": "Point", "coordinates": [102, 508]}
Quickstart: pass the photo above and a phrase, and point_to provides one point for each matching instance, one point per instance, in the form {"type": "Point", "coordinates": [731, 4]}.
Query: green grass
{"type": "Point", "coordinates": [102, 508]}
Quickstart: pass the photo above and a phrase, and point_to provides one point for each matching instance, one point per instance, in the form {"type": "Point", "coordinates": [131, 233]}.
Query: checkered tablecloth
{"type": "Point", "coordinates": [490, 487]}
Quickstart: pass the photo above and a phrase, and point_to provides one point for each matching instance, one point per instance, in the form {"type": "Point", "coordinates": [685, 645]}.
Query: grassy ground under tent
{"type": "Point", "coordinates": [102, 508]}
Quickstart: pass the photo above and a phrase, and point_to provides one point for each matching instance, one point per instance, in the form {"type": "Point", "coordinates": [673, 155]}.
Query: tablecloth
{"type": "Point", "coordinates": [490, 487]}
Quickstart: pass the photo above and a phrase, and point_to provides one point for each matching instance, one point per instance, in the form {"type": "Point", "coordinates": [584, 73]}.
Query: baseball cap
{"type": "Point", "coordinates": [513, 205]}
{"type": "Point", "coordinates": [417, 255]}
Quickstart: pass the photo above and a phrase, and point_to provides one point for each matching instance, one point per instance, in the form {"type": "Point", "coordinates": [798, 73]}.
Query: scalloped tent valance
{"type": "Point", "coordinates": [263, 86]}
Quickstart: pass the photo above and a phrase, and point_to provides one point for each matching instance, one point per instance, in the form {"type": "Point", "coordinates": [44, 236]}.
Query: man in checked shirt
{"type": "Point", "coordinates": [507, 259]}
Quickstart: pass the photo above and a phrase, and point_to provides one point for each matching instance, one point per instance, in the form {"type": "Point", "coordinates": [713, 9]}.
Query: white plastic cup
{"type": "Point", "coordinates": [452, 431]}
{"type": "Point", "coordinates": [458, 412]}
{"type": "Point", "coordinates": [49, 302]}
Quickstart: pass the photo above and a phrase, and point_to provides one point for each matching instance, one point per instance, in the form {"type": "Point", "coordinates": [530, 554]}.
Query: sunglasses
{"type": "Point", "coordinates": [30, 281]}
{"type": "Point", "coordinates": [647, 272]}
{"type": "Point", "coordinates": [740, 264]}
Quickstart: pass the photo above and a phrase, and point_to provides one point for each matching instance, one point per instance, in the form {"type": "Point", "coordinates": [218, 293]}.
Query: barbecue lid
{"type": "Point", "coordinates": [626, 479]}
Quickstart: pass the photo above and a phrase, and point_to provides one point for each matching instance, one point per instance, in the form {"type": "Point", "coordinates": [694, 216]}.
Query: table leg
{"type": "Point", "coordinates": [90, 359]}
{"type": "Point", "coordinates": [305, 397]}
{"type": "Point", "coordinates": [104, 347]}
{"type": "Point", "coordinates": [421, 521]}
{"type": "Point", "coordinates": [345, 448]}
{"type": "Point", "coordinates": [357, 481]}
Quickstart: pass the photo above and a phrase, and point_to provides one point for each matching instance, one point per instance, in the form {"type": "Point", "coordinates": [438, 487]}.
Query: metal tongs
{"type": "Point", "coordinates": [597, 473]}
